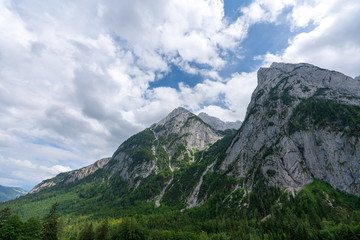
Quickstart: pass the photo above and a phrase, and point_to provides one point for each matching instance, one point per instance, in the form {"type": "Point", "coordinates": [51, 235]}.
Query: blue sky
{"type": "Point", "coordinates": [80, 77]}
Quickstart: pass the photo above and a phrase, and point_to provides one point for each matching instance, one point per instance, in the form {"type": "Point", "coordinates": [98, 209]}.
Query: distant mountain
{"type": "Point", "coordinates": [8, 193]}
{"type": "Point", "coordinates": [218, 124]}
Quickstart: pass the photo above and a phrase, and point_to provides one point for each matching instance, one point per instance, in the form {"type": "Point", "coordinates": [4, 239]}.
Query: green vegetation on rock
{"type": "Point", "coordinates": [315, 113]}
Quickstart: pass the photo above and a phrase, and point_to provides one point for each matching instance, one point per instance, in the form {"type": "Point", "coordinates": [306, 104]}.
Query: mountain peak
{"type": "Point", "coordinates": [175, 113]}
{"type": "Point", "coordinates": [302, 74]}
{"type": "Point", "coordinates": [298, 126]}
{"type": "Point", "coordinates": [217, 123]}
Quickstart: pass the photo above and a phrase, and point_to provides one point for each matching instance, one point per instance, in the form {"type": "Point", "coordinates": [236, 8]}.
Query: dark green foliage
{"type": "Point", "coordinates": [50, 224]}
{"type": "Point", "coordinates": [271, 172]}
{"type": "Point", "coordinates": [12, 227]}
{"type": "Point", "coordinates": [143, 140]}
{"type": "Point", "coordinates": [32, 229]}
{"type": "Point", "coordinates": [129, 229]}
{"type": "Point", "coordinates": [5, 214]}
{"type": "Point", "coordinates": [315, 113]}
{"type": "Point", "coordinates": [87, 233]}
{"type": "Point", "coordinates": [151, 186]}
{"type": "Point", "coordinates": [101, 232]}
{"type": "Point", "coordinates": [227, 132]}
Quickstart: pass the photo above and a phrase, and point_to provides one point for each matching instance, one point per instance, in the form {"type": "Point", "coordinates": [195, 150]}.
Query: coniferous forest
{"type": "Point", "coordinates": [316, 212]}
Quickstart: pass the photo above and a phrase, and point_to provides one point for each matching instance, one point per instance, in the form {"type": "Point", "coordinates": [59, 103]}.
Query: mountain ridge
{"type": "Point", "coordinates": [9, 193]}
{"type": "Point", "coordinates": [218, 124]}
{"type": "Point", "coordinates": [180, 129]}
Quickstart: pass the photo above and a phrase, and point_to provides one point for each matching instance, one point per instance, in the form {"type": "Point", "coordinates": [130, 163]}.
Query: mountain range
{"type": "Point", "coordinates": [300, 137]}
{"type": "Point", "coordinates": [8, 193]}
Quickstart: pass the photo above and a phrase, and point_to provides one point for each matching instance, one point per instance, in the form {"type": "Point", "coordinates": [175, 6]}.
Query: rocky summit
{"type": "Point", "coordinates": [167, 145]}
{"type": "Point", "coordinates": [303, 123]}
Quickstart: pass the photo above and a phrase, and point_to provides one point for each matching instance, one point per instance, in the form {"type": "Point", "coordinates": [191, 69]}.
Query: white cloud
{"type": "Point", "coordinates": [55, 169]}
{"type": "Point", "coordinates": [22, 173]}
{"type": "Point", "coordinates": [333, 43]}
{"type": "Point", "coordinates": [75, 79]}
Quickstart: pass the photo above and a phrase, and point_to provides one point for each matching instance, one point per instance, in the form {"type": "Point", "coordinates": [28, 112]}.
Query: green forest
{"type": "Point", "coordinates": [316, 212]}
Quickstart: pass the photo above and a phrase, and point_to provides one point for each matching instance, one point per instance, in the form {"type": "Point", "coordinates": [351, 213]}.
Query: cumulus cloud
{"type": "Point", "coordinates": [22, 173]}
{"type": "Point", "coordinates": [75, 80]}
{"type": "Point", "coordinates": [334, 41]}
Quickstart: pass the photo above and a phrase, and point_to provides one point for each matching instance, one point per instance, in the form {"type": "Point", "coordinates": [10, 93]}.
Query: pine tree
{"type": "Point", "coordinates": [50, 224]}
{"type": "Point", "coordinates": [102, 231]}
{"type": "Point", "coordinates": [5, 214]}
{"type": "Point", "coordinates": [87, 233]}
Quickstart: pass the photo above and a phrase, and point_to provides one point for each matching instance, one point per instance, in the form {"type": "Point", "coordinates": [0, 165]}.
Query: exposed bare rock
{"type": "Point", "coordinates": [218, 124]}
{"type": "Point", "coordinates": [168, 144]}
{"type": "Point", "coordinates": [71, 176]}
{"type": "Point", "coordinates": [294, 133]}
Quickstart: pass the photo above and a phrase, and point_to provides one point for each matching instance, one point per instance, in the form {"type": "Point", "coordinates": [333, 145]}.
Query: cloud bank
{"type": "Point", "coordinates": [76, 76]}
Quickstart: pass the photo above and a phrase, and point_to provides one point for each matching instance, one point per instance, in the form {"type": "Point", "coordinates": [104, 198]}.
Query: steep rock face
{"type": "Point", "coordinates": [302, 123]}
{"type": "Point", "coordinates": [71, 176]}
{"type": "Point", "coordinates": [169, 144]}
{"type": "Point", "coordinates": [217, 124]}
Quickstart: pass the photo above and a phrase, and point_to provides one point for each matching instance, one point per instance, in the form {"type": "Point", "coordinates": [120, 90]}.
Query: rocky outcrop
{"type": "Point", "coordinates": [71, 176]}
{"type": "Point", "coordinates": [217, 124]}
{"type": "Point", "coordinates": [302, 123]}
{"type": "Point", "coordinates": [167, 145]}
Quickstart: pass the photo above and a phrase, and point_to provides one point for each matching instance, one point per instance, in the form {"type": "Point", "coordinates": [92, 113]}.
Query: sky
{"type": "Point", "coordinates": [77, 78]}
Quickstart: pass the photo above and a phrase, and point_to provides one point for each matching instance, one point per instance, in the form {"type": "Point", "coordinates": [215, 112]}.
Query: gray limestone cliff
{"type": "Point", "coordinates": [72, 176]}
{"type": "Point", "coordinates": [302, 123]}
{"type": "Point", "coordinates": [167, 145]}
{"type": "Point", "coordinates": [218, 124]}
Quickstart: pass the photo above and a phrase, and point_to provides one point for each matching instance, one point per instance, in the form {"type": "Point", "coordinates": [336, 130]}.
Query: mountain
{"type": "Point", "coordinates": [165, 146]}
{"type": "Point", "coordinates": [291, 171]}
{"type": "Point", "coordinates": [303, 123]}
{"type": "Point", "coordinates": [148, 166]}
{"type": "Point", "coordinates": [8, 193]}
{"type": "Point", "coordinates": [70, 177]}
{"type": "Point", "coordinates": [218, 124]}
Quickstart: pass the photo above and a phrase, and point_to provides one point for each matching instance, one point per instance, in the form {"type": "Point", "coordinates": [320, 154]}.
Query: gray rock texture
{"type": "Point", "coordinates": [218, 124]}
{"type": "Point", "coordinates": [293, 158]}
{"type": "Point", "coordinates": [174, 142]}
{"type": "Point", "coordinates": [71, 176]}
